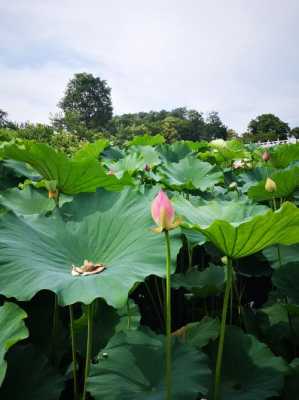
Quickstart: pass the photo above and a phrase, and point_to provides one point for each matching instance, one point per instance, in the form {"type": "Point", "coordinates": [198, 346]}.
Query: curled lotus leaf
{"type": "Point", "coordinates": [239, 229]}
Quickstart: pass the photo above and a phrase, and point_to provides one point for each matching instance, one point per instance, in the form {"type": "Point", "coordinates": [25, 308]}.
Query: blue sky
{"type": "Point", "coordinates": [237, 57]}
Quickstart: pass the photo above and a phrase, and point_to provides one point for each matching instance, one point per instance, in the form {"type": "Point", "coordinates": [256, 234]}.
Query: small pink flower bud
{"type": "Point", "coordinates": [163, 213]}
{"type": "Point", "coordinates": [266, 156]}
{"type": "Point", "coordinates": [147, 167]}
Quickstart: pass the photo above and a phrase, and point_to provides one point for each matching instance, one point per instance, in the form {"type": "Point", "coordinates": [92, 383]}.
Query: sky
{"type": "Point", "coordinates": [237, 57]}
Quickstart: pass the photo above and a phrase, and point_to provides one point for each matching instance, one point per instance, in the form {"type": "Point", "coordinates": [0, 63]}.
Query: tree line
{"type": "Point", "coordinates": [86, 114]}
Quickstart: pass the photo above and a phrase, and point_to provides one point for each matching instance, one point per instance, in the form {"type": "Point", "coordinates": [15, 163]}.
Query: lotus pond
{"type": "Point", "coordinates": [156, 271]}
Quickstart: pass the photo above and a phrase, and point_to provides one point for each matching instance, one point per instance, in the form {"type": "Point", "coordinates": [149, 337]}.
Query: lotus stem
{"type": "Point", "coordinates": [74, 355]}
{"type": "Point", "coordinates": [168, 320]}
{"type": "Point", "coordinates": [222, 330]}
{"type": "Point", "coordinates": [88, 346]}
{"type": "Point", "coordinates": [129, 313]}
{"type": "Point", "coordinates": [54, 328]}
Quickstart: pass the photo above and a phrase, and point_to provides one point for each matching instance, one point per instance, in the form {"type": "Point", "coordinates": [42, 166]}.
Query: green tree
{"type": "Point", "coordinates": [86, 103]}
{"type": "Point", "coordinates": [215, 129]}
{"type": "Point", "coordinates": [4, 122]}
{"type": "Point", "coordinates": [268, 127]}
{"type": "Point", "coordinates": [295, 132]}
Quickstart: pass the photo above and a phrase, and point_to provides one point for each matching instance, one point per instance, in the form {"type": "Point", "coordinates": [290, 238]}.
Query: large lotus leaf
{"type": "Point", "coordinates": [286, 182]}
{"type": "Point", "coordinates": [147, 140]}
{"type": "Point", "coordinates": [12, 331]}
{"type": "Point", "coordinates": [30, 376]}
{"type": "Point", "coordinates": [129, 164]}
{"type": "Point", "coordinates": [72, 176]}
{"type": "Point", "coordinates": [191, 173]}
{"type": "Point", "coordinates": [202, 283]}
{"type": "Point", "coordinates": [131, 367]}
{"type": "Point", "coordinates": [22, 169]}
{"type": "Point", "coordinates": [239, 230]}
{"type": "Point", "coordinates": [224, 151]}
{"type": "Point", "coordinates": [283, 155]}
{"type": "Point", "coordinates": [91, 150]}
{"type": "Point", "coordinates": [38, 252]}
{"type": "Point", "coordinates": [174, 152]}
{"type": "Point", "coordinates": [250, 371]}
{"type": "Point", "coordinates": [199, 334]}
{"type": "Point", "coordinates": [150, 155]}
{"type": "Point", "coordinates": [27, 201]}
{"type": "Point", "coordinates": [286, 279]}
{"type": "Point", "coordinates": [288, 254]}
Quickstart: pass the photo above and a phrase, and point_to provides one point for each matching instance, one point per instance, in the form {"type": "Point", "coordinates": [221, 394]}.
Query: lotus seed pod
{"type": "Point", "coordinates": [270, 185]}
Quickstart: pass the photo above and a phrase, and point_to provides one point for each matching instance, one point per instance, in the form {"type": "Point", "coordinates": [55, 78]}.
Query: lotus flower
{"type": "Point", "coordinates": [270, 185]}
{"type": "Point", "coordinates": [163, 213]}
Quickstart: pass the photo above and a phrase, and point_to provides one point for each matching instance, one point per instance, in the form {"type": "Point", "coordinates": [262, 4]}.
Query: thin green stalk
{"type": "Point", "coordinates": [74, 355]}
{"type": "Point", "coordinates": [168, 320]}
{"type": "Point", "coordinates": [129, 314]}
{"type": "Point", "coordinates": [222, 331]}
{"type": "Point", "coordinates": [88, 346]}
{"type": "Point", "coordinates": [54, 329]}
{"type": "Point", "coordinates": [159, 298]}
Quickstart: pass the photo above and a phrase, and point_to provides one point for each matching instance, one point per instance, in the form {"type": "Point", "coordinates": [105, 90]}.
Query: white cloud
{"type": "Point", "coordinates": [239, 58]}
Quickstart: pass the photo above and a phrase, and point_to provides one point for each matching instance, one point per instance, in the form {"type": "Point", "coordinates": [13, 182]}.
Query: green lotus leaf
{"type": "Point", "coordinates": [12, 331]}
{"type": "Point", "coordinates": [286, 181]}
{"type": "Point", "coordinates": [274, 328]}
{"type": "Point", "coordinates": [22, 169]}
{"type": "Point", "coordinates": [284, 155]}
{"type": "Point", "coordinates": [175, 152]}
{"type": "Point", "coordinates": [131, 367]}
{"type": "Point", "coordinates": [129, 164]}
{"type": "Point", "coordinates": [199, 334]}
{"type": "Point", "coordinates": [91, 150]}
{"type": "Point", "coordinates": [286, 279]}
{"type": "Point", "coordinates": [150, 155]}
{"type": "Point", "coordinates": [239, 229]}
{"type": "Point", "coordinates": [202, 283]}
{"type": "Point", "coordinates": [191, 173]}
{"type": "Point", "coordinates": [288, 254]}
{"type": "Point", "coordinates": [30, 376]}
{"type": "Point", "coordinates": [38, 252]}
{"type": "Point", "coordinates": [27, 201]}
{"type": "Point", "coordinates": [250, 371]}
{"type": "Point", "coordinates": [147, 140]}
{"type": "Point", "coordinates": [72, 176]}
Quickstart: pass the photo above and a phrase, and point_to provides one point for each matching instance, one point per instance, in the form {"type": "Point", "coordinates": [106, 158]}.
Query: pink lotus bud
{"type": "Point", "coordinates": [163, 213]}
{"type": "Point", "coordinates": [147, 167]}
{"type": "Point", "coordinates": [266, 156]}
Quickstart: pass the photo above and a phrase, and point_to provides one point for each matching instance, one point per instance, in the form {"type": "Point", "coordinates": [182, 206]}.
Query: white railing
{"type": "Point", "coordinates": [269, 143]}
